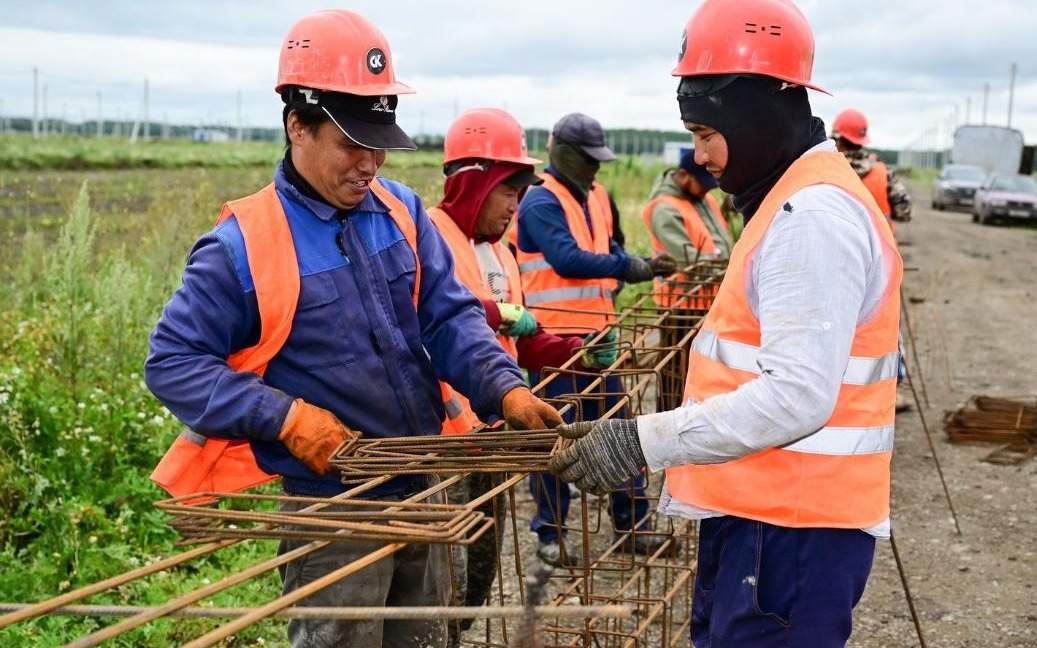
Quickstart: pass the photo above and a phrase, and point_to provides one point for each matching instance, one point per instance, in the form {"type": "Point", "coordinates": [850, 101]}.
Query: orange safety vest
{"type": "Point", "coordinates": [564, 305]}
{"type": "Point", "coordinates": [195, 463]}
{"type": "Point", "coordinates": [665, 295]}
{"type": "Point", "coordinates": [835, 477]}
{"type": "Point", "coordinates": [468, 272]}
{"type": "Point", "coordinates": [877, 182]}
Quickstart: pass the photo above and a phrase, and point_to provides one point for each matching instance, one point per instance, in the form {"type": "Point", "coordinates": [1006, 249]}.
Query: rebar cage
{"type": "Point", "coordinates": [610, 596]}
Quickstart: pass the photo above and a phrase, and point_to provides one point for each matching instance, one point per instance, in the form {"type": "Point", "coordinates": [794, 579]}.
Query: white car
{"type": "Point", "coordinates": [956, 186]}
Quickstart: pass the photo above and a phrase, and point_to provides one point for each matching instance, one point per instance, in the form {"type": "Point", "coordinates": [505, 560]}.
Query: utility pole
{"type": "Point", "coordinates": [147, 116]}
{"type": "Point", "coordinates": [986, 98]}
{"type": "Point", "coordinates": [238, 135]}
{"type": "Point", "coordinates": [64, 120]}
{"type": "Point", "coordinates": [100, 121]}
{"type": "Point", "coordinates": [968, 110]}
{"type": "Point", "coordinates": [35, 102]}
{"type": "Point", "coordinates": [1011, 92]}
{"type": "Point", "coordinates": [46, 122]}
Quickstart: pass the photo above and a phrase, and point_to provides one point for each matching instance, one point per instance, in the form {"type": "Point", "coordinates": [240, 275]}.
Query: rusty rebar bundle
{"type": "Point", "coordinates": [1012, 424]}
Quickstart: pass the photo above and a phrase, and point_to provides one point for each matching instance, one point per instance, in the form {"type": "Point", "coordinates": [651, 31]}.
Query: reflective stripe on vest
{"type": "Point", "coordinates": [664, 294]}
{"type": "Point", "coordinates": [460, 417]}
{"type": "Point", "coordinates": [195, 463]}
{"type": "Point", "coordinates": [837, 476]}
{"type": "Point", "coordinates": [565, 305]}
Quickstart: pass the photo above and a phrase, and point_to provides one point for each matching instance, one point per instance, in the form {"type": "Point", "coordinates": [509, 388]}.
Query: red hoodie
{"type": "Point", "coordinates": [463, 196]}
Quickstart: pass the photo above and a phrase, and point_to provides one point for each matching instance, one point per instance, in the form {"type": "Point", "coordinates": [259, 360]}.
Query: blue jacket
{"type": "Point", "coordinates": [357, 346]}
{"type": "Point", "coordinates": [542, 228]}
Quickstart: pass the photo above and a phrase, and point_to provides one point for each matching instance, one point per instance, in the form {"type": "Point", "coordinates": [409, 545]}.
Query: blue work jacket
{"type": "Point", "coordinates": [542, 227]}
{"type": "Point", "coordinates": [357, 348]}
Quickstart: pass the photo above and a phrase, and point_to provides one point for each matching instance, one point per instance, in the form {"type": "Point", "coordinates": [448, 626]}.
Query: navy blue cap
{"type": "Point", "coordinates": [585, 132]}
{"type": "Point", "coordinates": [697, 171]}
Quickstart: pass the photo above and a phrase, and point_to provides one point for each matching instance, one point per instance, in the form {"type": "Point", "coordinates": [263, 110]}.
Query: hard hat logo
{"type": "Point", "coordinates": [684, 45]}
{"type": "Point", "coordinates": [375, 61]}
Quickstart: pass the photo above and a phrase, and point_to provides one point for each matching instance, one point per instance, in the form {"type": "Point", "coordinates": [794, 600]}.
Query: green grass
{"type": "Point", "coordinates": [90, 257]}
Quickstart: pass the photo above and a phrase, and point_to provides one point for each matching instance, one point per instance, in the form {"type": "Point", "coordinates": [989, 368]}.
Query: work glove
{"type": "Point", "coordinates": [312, 434]}
{"type": "Point", "coordinates": [516, 321]}
{"type": "Point", "coordinates": [637, 270]}
{"type": "Point", "coordinates": [606, 454]}
{"type": "Point", "coordinates": [603, 353]}
{"type": "Point", "coordinates": [663, 265]}
{"type": "Point", "coordinates": [524, 411]}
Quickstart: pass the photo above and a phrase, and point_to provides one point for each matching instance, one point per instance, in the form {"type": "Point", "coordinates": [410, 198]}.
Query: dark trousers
{"type": "Point", "coordinates": [416, 575]}
{"type": "Point", "coordinates": [768, 586]}
{"type": "Point", "coordinates": [627, 505]}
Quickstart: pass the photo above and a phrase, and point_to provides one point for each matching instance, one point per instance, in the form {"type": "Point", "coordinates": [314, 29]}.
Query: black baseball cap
{"type": "Point", "coordinates": [585, 132]}
{"type": "Point", "coordinates": [370, 121]}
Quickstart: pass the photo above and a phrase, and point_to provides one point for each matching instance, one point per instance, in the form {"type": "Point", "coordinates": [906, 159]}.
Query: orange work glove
{"type": "Point", "coordinates": [312, 434]}
{"type": "Point", "coordinates": [524, 411]}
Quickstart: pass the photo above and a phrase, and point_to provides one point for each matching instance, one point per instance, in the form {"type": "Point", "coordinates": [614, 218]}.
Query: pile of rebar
{"type": "Point", "coordinates": [1012, 424]}
{"type": "Point", "coordinates": [614, 597]}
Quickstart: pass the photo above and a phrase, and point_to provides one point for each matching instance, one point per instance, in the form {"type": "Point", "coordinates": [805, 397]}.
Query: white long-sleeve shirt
{"type": "Point", "coordinates": [817, 274]}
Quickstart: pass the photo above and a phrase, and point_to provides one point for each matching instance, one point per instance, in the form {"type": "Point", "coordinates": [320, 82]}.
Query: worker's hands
{"type": "Point", "coordinates": [606, 454]}
{"type": "Point", "coordinates": [516, 321]}
{"type": "Point", "coordinates": [603, 353]}
{"type": "Point", "coordinates": [524, 411]}
{"type": "Point", "coordinates": [637, 270]}
{"type": "Point", "coordinates": [663, 265]}
{"type": "Point", "coordinates": [311, 434]}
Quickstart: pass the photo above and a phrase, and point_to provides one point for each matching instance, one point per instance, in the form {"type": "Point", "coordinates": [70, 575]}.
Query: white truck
{"type": "Point", "coordinates": [994, 148]}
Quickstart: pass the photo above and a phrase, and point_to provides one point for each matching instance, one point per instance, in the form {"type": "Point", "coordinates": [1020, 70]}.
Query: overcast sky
{"type": "Point", "coordinates": [906, 63]}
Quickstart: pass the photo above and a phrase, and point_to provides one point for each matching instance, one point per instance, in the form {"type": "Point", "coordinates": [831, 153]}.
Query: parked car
{"type": "Point", "coordinates": [956, 186]}
{"type": "Point", "coordinates": [1005, 196]}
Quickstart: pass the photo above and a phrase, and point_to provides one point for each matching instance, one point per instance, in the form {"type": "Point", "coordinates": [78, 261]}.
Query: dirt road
{"type": "Point", "coordinates": [976, 334]}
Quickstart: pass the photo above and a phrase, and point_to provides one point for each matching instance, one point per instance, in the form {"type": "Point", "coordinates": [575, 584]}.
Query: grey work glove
{"type": "Point", "coordinates": [606, 454]}
{"type": "Point", "coordinates": [637, 270]}
{"type": "Point", "coordinates": [663, 265]}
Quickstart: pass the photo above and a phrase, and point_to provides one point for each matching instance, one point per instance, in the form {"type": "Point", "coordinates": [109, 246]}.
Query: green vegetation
{"type": "Point", "coordinates": [90, 259]}
{"type": "Point", "coordinates": [56, 152]}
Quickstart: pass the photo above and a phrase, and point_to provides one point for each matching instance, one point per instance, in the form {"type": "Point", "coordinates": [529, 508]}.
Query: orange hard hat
{"type": "Point", "coordinates": [486, 134]}
{"type": "Point", "coordinates": [852, 126]}
{"type": "Point", "coordinates": [338, 51]}
{"type": "Point", "coordinates": [766, 37]}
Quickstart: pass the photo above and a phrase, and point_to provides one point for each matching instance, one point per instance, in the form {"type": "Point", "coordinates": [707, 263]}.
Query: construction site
{"type": "Point", "coordinates": [517, 383]}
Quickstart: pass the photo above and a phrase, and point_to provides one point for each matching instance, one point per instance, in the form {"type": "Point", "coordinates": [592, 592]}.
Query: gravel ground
{"type": "Point", "coordinates": [975, 331]}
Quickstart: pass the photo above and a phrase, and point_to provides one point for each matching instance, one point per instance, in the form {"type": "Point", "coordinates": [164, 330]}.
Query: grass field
{"type": "Point", "coordinates": [91, 254]}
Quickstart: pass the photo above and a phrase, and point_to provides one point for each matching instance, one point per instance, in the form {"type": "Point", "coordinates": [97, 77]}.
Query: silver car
{"type": "Point", "coordinates": [956, 186]}
{"type": "Point", "coordinates": [1005, 197]}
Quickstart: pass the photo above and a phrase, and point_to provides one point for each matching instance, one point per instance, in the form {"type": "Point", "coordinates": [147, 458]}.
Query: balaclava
{"type": "Point", "coordinates": [570, 161]}
{"type": "Point", "coordinates": [767, 125]}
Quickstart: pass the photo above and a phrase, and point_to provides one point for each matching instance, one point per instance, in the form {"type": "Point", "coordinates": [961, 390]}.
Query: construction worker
{"type": "Point", "coordinates": [487, 169]}
{"type": "Point", "coordinates": [322, 308]}
{"type": "Point", "coordinates": [782, 448]}
{"type": "Point", "coordinates": [685, 221]}
{"type": "Point", "coordinates": [570, 267]}
{"type": "Point", "coordinates": [850, 132]}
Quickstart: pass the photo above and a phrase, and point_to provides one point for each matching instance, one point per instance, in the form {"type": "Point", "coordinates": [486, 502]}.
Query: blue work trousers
{"type": "Point", "coordinates": [627, 505]}
{"type": "Point", "coordinates": [763, 586]}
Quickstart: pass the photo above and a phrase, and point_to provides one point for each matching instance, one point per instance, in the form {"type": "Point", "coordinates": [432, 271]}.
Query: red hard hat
{"type": "Point", "coordinates": [487, 134]}
{"type": "Point", "coordinates": [338, 51]}
{"type": "Point", "coordinates": [852, 126]}
{"type": "Point", "coordinates": [767, 37]}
